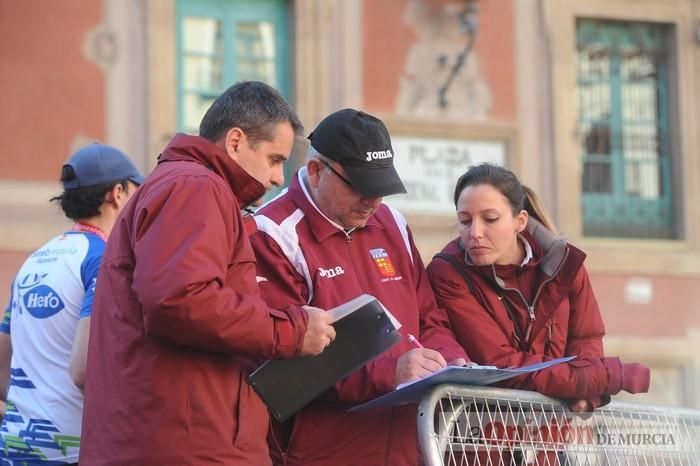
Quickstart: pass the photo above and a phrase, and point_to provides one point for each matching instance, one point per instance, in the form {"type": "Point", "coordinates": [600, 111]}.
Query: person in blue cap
{"type": "Point", "coordinates": [45, 330]}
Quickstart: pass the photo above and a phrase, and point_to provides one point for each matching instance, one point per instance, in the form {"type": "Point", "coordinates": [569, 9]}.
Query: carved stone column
{"type": "Point", "coordinates": [161, 65]}
{"type": "Point", "coordinates": [328, 62]}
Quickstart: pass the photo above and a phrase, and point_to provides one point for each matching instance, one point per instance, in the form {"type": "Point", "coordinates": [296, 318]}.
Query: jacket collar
{"type": "Point", "coordinates": [550, 249]}
{"type": "Point", "coordinates": [553, 247]}
{"type": "Point", "coordinates": [321, 226]}
{"type": "Point", "coordinates": [184, 147]}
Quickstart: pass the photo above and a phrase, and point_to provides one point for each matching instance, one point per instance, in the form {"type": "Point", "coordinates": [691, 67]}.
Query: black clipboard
{"type": "Point", "coordinates": [364, 329]}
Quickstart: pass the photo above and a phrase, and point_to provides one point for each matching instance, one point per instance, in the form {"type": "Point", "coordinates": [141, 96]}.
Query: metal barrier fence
{"type": "Point", "coordinates": [465, 425]}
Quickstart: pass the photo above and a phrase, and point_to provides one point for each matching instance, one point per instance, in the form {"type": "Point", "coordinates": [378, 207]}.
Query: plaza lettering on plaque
{"type": "Point", "coordinates": [429, 168]}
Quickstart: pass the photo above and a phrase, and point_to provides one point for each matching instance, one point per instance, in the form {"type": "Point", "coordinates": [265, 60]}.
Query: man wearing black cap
{"type": "Point", "coordinates": [45, 331]}
{"type": "Point", "coordinates": [326, 240]}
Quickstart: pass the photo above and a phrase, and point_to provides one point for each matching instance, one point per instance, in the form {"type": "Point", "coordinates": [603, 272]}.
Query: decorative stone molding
{"type": "Point", "coordinates": [28, 218]}
{"type": "Point", "coordinates": [100, 47]}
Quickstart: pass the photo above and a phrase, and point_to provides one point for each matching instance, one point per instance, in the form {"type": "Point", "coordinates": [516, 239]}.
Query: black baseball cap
{"type": "Point", "coordinates": [96, 164]}
{"type": "Point", "coordinates": [360, 143]}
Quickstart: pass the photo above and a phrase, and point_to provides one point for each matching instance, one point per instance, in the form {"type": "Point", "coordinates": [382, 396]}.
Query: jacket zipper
{"type": "Point", "coordinates": [531, 307]}
{"type": "Point", "coordinates": [348, 241]}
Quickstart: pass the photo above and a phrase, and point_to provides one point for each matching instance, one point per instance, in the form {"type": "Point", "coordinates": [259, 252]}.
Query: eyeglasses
{"type": "Point", "coordinates": [345, 180]}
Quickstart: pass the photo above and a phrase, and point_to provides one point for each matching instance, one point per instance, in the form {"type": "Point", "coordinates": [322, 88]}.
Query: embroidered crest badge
{"type": "Point", "coordinates": [383, 261]}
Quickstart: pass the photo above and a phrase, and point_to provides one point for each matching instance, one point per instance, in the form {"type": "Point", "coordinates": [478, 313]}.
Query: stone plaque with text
{"type": "Point", "coordinates": [430, 167]}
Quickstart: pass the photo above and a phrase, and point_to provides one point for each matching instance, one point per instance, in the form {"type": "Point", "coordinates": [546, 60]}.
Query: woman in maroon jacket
{"type": "Point", "coordinates": [517, 294]}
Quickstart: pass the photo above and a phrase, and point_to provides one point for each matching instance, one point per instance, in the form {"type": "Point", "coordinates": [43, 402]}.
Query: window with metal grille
{"type": "Point", "coordinates": [221, 42]}
{"type": "Point", "coordinates": [622, 93]}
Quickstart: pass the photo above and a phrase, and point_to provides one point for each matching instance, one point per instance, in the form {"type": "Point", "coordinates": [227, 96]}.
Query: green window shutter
{"type": "Point", "coordinates": [220, 42]}
{"type": "Point", "coordinates": [623, 123]}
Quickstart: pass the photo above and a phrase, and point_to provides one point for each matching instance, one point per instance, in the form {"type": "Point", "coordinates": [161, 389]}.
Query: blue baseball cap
{"type": "Point", "coordinates": [96, 164]}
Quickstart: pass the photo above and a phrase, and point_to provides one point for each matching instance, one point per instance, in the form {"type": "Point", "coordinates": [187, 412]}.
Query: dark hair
{"type": "Point", "coordinates": [252, 106]}
{"type": "Point", "coordinates": [519, 196]}
{"type": "Point", "coordinates": [85, 202]}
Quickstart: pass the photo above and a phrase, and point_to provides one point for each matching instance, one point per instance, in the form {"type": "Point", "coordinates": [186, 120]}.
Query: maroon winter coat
{"type": "Point", "coordinates": [176, 317]}
{"type": "Point", "coordinates": [567, 320]}
{"type": "Point", "coordinates": [303, 258]}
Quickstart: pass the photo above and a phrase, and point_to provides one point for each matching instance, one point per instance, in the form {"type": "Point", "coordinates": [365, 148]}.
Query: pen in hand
{"type": "Point", "coordinates": [415, 341]}
{"type": "Point", "coordinates": [418, 344]}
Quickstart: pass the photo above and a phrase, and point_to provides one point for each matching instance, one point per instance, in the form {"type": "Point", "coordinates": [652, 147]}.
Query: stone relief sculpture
{"type": "Point", "coordinates": [430, 65]}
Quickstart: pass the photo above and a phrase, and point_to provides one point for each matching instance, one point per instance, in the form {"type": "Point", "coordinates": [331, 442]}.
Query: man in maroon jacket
{"type": "Point", "coordinates": [327, 240]}
{"type": "Point", "coordinates": [177, 314]}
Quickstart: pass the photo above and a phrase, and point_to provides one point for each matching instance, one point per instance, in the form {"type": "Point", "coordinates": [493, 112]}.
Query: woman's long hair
{"type": "Point", "coordinates": [519, 196]}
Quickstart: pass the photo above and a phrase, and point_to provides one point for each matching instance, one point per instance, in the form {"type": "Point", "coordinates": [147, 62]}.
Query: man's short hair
{"type": "Point", "coordinates": [254, 107]}
{"type": "Point", "coordinates": [312, 153]}
{"type": "Point", "coordinates": [81, 203]}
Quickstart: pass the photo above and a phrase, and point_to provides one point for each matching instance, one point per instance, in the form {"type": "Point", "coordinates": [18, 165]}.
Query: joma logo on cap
{"type": "Point", "coordinates": [380, 154]}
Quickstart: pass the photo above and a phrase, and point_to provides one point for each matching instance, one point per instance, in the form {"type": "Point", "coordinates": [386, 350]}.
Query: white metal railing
{"type": "Point", "coordinates": [467, 425]}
